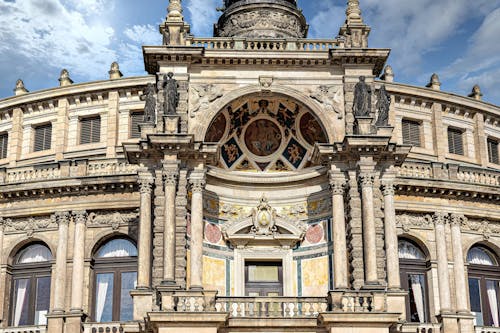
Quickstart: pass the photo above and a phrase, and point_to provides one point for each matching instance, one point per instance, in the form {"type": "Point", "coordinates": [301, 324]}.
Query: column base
{"type": "Point", "coordinates": [169, 283]}
{"type": "Point", "coordinates": [369, 285]}
{"type": "Point", "coordinates": [196, 288]}
{"type": "Point", "coordinates": [167, 293]}
{"type": "Point", "coordinates": [74, 321]}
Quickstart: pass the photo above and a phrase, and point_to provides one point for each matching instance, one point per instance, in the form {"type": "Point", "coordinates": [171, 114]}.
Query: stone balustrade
{"type": "Point", "coordinates": [24, 329]}
{"type": "Point", "coordinates": [419, 328]}
{"type": "Point", "coordinates": [358, 301]}
{"type": "Point", "coordinates": [480, 329]}
{"type": "Point", "coordinates": [478, 176]}
{"type": "Point", "coordinates": [417, 170]}
{"type": "Point", "coordinates": [306, 45]}
{"type": "Point", "coordinates": [65, 170]}
{"type": "Point", "coordinates": [102, 328]}
{"type": "Point", "coordinates": [263, 307]}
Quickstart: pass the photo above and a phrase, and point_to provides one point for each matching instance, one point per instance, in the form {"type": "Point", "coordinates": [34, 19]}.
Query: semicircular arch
{"type": "Point", "coordinates": [14, 249]}
{"type": "Point", "coordinates": [104, 237]}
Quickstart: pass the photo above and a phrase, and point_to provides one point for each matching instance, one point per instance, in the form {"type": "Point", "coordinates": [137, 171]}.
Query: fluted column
{"type": "Point", "coordinates": [391, 236]}
{"type": "Point", "coordinates": [170, 175]}
{"type": "Point", "coordinates": [62, 219]}
{"type": "Point", "coordinates": [442, 262]}
{"type": "Point", "coordinates": [77, 286]}
{"type": "Point", "coordinates": [458, 263]}
{"type": "Point", "coordinates": [337, 184]}
{"type": "Point", "coordinates": [369, 231]}
{"type": "Point", "coordinates": [197, 181]}
{"type": "Point", "coordinates": [144, 260]}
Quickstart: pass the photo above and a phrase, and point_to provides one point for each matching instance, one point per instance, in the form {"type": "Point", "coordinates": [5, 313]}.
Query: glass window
{"type": "Point", "coordinates": [135, 119]}
{"type": "Point", "coordinates": [455, 141]}
{"type": "Point", "coordinates": [4, 145]}
{"type": "Point", "coordinates": [493, 151]}
{"type": "Point", "coordinates": [43, 137]}
{"type": "Point", "coordinates": [31, 286]}
{"type": "Point", "coordinates": [413, 271]}
{"type": "Point", "coordinates": [264, 278]}
{"type": "Point", "coordinates": [90, 130]}
{"type": "Point", "coordinates": [115, 275]}
{"type": "Point", "coordinates": [484, 277]}
{"type": "Point", "coordinates": [411, 132]}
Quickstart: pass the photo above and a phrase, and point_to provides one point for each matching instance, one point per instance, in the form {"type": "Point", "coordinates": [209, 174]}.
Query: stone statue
{"type": "Point", "coordinates": [362, 99]}
{"type": "Point", "coordinates": [171, 94]}
{"type": "Point", "coordinates": [150, 109]}
{"type": "Point", "coordinates": [383, 105]}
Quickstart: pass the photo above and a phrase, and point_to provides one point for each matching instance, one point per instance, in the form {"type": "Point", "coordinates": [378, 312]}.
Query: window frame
{"type": "Point", "coordinates": [44, 146]}
{"type": "Point", "coordinates": [116, 266]}
{"type": "Point", "coordinates": [409, 267]}
{"type": "Point", "coordinates": [254, 286]}
{"type": "Point", "coordinates": [4, 145]}
{"type": "Point", "coordinates": [452, 149]}
{"type": "Point", "coordinates": [31, 272]}
{"type": "Point", "coordinates": [91, 139]}
{"type": "Point", "coordinates": [419, 126]}
{"type": "Point", "coordinates": [131, 123]}
{"type": "Point", "coordinates": [491, 155]}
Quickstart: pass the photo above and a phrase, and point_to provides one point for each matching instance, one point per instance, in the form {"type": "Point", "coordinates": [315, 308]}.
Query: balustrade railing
{"type": "Point", "coordinates": [419, 328]}
{"type": "Point", "coordinates": [251, 44]}
{"type": "Point", "coordinates": [102, 328]}
{"type": "Point", "coordinates": [481, 329]}
{"type": "Point", "coordinates": [24, 329]}
{"type": "Point", "coordinates": [358, 301]}
{"type": "Point", "coordinates": [283, 307]}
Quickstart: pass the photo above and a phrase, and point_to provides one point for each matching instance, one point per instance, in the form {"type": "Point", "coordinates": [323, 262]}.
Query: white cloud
{"type": "Point", "coordinates": [203, 15]}
{"type": "Point", "coordinates": [131, 59]}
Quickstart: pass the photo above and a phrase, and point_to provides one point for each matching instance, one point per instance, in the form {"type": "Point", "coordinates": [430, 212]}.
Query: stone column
{"type": "Point", "coordinates": [77, 286]}
{"type": "Point", "coordinates": [170, 175]}
{"type": "Point", "coordinates": [458, 263]}
{"type": "Point", "coordinates": [338, 183]}
{"type": "Point", "coordinates": [391, 236]}
{"type": "Point", "coordinates": [369, 232]}
{"type": "Point", "coordinates": [62, 219]}
{"type": "Point", "coordinates": [442, 262]}
{"type": "Point", "coordinates": [146, 182]}
{"type": "Point", "coordinates": [197, 180]}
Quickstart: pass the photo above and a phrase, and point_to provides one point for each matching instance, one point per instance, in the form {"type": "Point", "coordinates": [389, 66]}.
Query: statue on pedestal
{"type": "Point", "coordinates": [171, 94]}
{"type": "Point", "coordinates": [150, 108]}
{"type": "Point", "coordinates": [362, 99]}
{"type": "Point", "coordinates": [383, 105]}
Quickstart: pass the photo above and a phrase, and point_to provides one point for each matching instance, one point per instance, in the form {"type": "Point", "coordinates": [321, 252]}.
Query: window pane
{"type": "Point", "coordinates": [21, 302]}
{"type": "Point", "coordinates": [118, 248]}
{"type": "Point", "coordinates": [263, 273]}
{"type": "Point", "coordinates": [4, 144]}
{"type": "Point", "coordinates": [43, 137]}
{"type": "Point", "coordinates": [42, 302]}
{"type": "Point", "coordinates": [135, 119]}
{"type": "Point", "coordinates": [407, 250]}
{"type": "Point", "coordinates": [411, 133]}
{"type": "Point", "coordinates": [492, 293]}
{"type": "Point", "coordinates": [90, 130]}
{"type": "Point", "coordinates": [104, 298]}
{"type": "Point", "coordinates": [475, 301]}
{"type": "Point", "coordinates": [33, 254]}
{"type": "Point", "coordinates": [479, 256]}
{"type": "Point", "coordinates": [455, 143]}
{"type": "Point", "coordinates": [493, 151]}
{"type": "Point", "coordinates": [416, 291]}
{"type": "Point", "coordinates": [129, 282]}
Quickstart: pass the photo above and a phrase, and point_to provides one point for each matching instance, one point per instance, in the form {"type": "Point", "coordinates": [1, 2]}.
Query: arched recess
{"type": "Point", "coordinates": [104, 237]}
{"type": "Point", "coordinates": [269, 132]}
{"type": "Point", "coordinates": [15, 248]}
{"type": "Point", "coordinates": [327, 120]}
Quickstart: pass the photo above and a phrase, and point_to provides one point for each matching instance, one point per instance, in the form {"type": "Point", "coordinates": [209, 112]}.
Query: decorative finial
{"type": "Point", "coordinates": [476, 93]}
{"type": "Point", "coordinates": [64, 79]}
{"type": "Point", "coordinates": [20, 88]}
{"type": "Point", "coordinates": [354, 31]}
{"type": "Point", "coordinates": [353, 12]}
{"type": "Point", "coordinates": [175, 11]}
{"type": "Point", "coordinates": [388, 75]}
{"type": "Point", "coordinates": [114, 72]}
{"type": "Point", "coordinates": [434, 82]}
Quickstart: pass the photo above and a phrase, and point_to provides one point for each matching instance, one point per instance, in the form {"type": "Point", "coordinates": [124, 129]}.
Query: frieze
{"type": "Point", "coordinates": [113, 219]}
{"type": "Point", "coordinates": [484, 227]}
{"type": "Point", "coordinates": [414, 221]}
{"type": "Point", "coordinates": [30, 225]}
{"type": "Point", "coordinates": [202, 95]}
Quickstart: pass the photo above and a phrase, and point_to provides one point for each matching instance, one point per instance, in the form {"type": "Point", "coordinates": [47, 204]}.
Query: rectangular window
{"type": "Point", "coordinates": [104, 298]}
{"type": "Point", "coordinates": [21, 302]}
{"type": "Point", "coordinates": [4, 144]}
{"type": "Point", "coordinates": [411, 132]}
{"type": "Point", "coordinates": [90, 130]}
{"type": "Point", "coordinates": [135, 119]}
{"type": "Point", "coordinates": [264, 278]}
{"type": "Point", "coordinates": [128, 283]}
{"type": "Point", "coordinates": [43, 137]}
{"type": "Point", "coordinates": [493, 151]}
{"type": "Point", "coordinates": [42, 302]}
{"type": "Point", "coordinates": [455, 141]}
{"type": "Point", "coordinates": [475, 301]}
{"type": "Point", "coordinates": [416, 295]}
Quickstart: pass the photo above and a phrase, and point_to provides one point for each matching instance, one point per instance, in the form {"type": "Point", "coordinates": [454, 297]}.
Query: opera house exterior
{"type": "Point", "coordinates": [256, 181]}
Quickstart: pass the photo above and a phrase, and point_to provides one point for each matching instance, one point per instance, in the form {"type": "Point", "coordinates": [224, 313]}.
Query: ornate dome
{"type": "Point", "coordinates": [261, 19]}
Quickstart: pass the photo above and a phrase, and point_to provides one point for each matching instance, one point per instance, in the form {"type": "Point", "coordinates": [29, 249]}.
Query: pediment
{"type": "Point", "coordinates": [264, 227]}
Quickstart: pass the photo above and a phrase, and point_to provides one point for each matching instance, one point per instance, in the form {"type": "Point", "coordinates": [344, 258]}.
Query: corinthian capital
{"type": "Point", "coordinates": [366, 179]}
{"type": "Point", "coordinates": [145, 184]}
{"type": "Point", "coordinates": [440, 218]}
{"type": "Point", "coordinates": [197, 185]}
{"type": "Point", "coordinates": [457, 219]}
{"type": "Point", "coordinates": [62, 218]}
{"type": "Point", "coordinates": [80, 217]}
{"type": "Point", "coordinates": [337, 184]}
{"type": "Point", "coordinates": [387, 188]}
{"type": "Point", "coordinates": [170, 177]}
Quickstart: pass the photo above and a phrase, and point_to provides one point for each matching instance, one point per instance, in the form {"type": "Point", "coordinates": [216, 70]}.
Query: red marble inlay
{"type": "Point", "coordinates": [315, 234]}
{"type": "Point", "coordinates": [213, 233]}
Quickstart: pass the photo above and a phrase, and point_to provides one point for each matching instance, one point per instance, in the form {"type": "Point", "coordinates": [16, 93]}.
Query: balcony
{"type": "Point", "coordinates": [24, 329]}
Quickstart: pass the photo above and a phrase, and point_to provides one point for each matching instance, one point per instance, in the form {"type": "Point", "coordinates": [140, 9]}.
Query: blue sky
{"type": "Point", "coordinates": [458, 39]}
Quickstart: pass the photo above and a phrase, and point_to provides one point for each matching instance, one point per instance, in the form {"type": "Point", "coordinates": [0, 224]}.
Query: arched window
{"type": "Point", "coordinates": [484, 276]}
{"type": "Point", "coordinates": [413, 270]}
{"type": "Point", "coordinates": [115, 266]}
{"type": "Point", "coordinates": [30, 298]}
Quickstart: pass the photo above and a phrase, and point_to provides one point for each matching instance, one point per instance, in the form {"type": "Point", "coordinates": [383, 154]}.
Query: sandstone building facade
{"type": "Point", "coordinates": [256, 181]}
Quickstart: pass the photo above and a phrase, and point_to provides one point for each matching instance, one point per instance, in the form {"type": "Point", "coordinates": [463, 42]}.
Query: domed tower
{"type": "Point", "coordinates": [261, 19]}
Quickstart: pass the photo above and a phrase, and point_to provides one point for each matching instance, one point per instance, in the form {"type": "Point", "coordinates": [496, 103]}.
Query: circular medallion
{"type": "Point", "coordinates": [263, 137]}
{"type": "Point", "coordinates": [213, 233]}
{"type": "Point", "coordinates": [315, 234]}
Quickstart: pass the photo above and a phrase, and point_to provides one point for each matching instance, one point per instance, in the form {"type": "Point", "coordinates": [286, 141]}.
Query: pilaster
{"type": "Point", "coordinates": [442, 262]}
{"type": "Point", "coordinates": [170, 176]}
{"type": "Point", "coordinates": [16, 137]}
{"type": "Point", "coordinates": [391, 237]}
{"type": "Point", "coordinates": [61, 128]}
{"type": "Point", "coordinates": [338, 184]}
{"type": "Point", "coordinates": [197, 182]}
{"type": "Point", "coordinates": [112, 125]}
